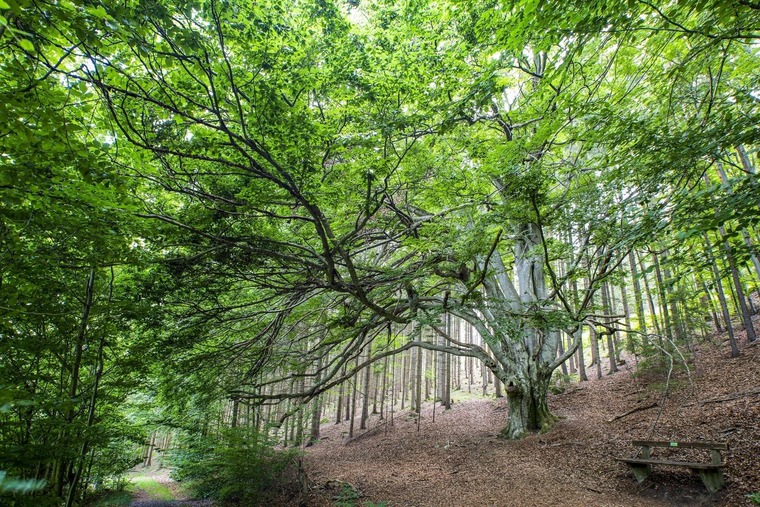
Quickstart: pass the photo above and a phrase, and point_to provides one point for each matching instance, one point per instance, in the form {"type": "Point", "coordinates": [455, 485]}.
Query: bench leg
{"type": "Point", "coordinates": [712, 479]}
{"type": "Point", "coordinates": [640, 471]}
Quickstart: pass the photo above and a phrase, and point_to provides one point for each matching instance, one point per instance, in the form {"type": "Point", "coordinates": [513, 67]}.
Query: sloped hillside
{"type": "Point", "coordinates": [457, 460]}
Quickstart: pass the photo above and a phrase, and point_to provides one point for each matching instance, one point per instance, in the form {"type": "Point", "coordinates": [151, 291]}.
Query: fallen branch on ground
{"type": "Point", "coordinates": [730, 397]}
{"type": "Point", "coordinates": [365, 434]}
{"type": "Point", "coordinates": [632, 411]}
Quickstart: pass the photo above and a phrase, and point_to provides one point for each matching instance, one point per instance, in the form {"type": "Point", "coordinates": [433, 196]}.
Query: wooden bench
{"type": "Point", "coordinates": [710, 473]}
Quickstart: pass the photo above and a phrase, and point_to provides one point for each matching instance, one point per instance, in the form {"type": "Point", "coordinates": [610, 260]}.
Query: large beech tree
{"type": "Point", "coordinates": [320, 172]}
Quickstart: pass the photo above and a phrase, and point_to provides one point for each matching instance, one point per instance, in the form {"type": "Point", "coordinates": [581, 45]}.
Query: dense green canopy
{"type": "Point", "coordinates": [200, 200]}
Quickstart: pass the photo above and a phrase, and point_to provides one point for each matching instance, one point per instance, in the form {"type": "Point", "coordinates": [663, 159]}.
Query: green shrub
{"type": "Point", "coordinates": [110, 499]}
{"type": "Point", "coordinates": [754, 498]}
{"type": "Point", "coordinates": [348, 496]}
{"type": "Point", "coordinates": [239, 466]}
{"type": "Point", "coordinates": [560, 381]}
{"type": "Point", "coordinates": [16, 492]}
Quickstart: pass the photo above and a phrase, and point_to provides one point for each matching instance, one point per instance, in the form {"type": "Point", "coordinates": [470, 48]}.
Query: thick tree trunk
{"type": "Point", "coordinates": [529, 367]}
{"type": "Point", "coordinates": [528, 407]}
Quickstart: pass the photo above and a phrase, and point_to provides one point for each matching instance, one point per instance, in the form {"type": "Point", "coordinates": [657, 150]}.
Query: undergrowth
{"type": "Point", "coordinates": [238, 466]}
{"type": "Point", "coordinates": [152, 487]}
{"type": "Point", "coordinates": [111, 499]}
{"type": "Point", "coordinates": [348, 496]}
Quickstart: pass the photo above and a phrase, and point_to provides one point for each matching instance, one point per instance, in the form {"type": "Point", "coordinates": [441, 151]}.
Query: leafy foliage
{"type": "Point", "coordinates": [201, 200]}
{"type": "Point", "coordinates": [237, 466]}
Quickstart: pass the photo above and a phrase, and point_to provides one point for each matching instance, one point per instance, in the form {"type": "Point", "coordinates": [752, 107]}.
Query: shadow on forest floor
{"type": "Point", "coordinates": [459, 461]}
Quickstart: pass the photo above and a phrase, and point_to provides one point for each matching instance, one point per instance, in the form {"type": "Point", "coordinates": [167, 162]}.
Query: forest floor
{"type": "Point", "coordinates": [151, 487]}
{"type": "Point", "coordinates": [458, 460]}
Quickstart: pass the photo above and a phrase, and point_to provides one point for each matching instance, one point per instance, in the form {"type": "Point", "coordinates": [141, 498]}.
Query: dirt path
{"type": "Point", "coordinates": [154, 488]}
{"type": "Point", "coordinates": [458, 461]}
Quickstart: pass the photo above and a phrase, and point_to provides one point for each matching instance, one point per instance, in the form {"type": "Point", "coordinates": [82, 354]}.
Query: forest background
{"type": "Point", "coordinates": [222, 220]}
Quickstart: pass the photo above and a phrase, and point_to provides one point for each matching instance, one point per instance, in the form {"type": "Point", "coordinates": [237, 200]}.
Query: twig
{"type": "Point", "coordinates": [633, 411]}
{"type": "Point", "coordinates": [734, 396]}
{"type": "Point", "coordinates": [367, 433]}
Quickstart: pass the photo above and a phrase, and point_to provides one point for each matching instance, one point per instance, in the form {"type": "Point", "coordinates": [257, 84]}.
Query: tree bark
{"type": "Point", "coordinates": [610, 345]}
{"type": "Point", "coordinates": [721, 296]}
{"type": "Point", "coordinates": [641, 319]}
{"type": "Point", "coordinates": [365, 395]}
{"type": "Point", "coordinates": [663, 300]}
{"type": "Point", "coordinates": [650, 300]}
{"type": "Point", "coordinates": [528, 407]}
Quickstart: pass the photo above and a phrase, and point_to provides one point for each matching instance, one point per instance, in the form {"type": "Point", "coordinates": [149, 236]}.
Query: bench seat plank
{"type": "Point", "coordinates": [710, 473]}
{"type": "Point", "coordinates": [696, 466]}
{"type": "Point", "coordinates": [721, 446]}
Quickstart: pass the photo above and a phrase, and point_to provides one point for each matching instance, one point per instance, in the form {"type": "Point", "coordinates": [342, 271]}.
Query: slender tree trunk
{"type": "Point", "coordinates": [384, 389]}
{"type": "Point", "coordinates": [571, 360]}
{"type": "Point", "coordinates": [708, 298]}
{"type": "Point", "coordinates": [418, 384]}
{"type": "Point", "coordinates": [234, 418]}
{"type": "Point", "coordinates": [469, 361]}
{"type": "Point", "coordinates": [405, 358]}
{"type": "Point", "coordinates": [668, 326]}
{"type": "Point", "coordinates": [350, 398]}
{"type": "Point", "coordinates": [440, 365]}
{"type": "Point", "coordinates": [353, 402]}
{"type": "Point", "coordinates": [641, 318]}
{"type": "Point", "coordinates": [578, 335]}
{"type": "Point", "coordinates": [63, 464]}
{"type": "Point", "coordinates": [739, 289]}
{"type": "Point", "coordinates": [596, 356]}
{"type": "Point", "coordinates": [727, 185]}
{"type": "Point", "coordinates": [316, 414]}
{"type": "Point", "coordinates": [365, 395]}
{"type": "Point", "coordinates": [609, 310]}
{"type": "Point", "coordinates": [650, 300]}
{"type": "Point", "coordinates": [560, 351]}
{"type": "Point", "coordinates": [484, 379]}
{"type": "Point", "coordinates": [679, 333]}
{"type": "Point", "coordinates": [447, 383]}
{"type": "Point", "coordinates": [298, 429]}
{"type": "Point", "coordinates": [151, 445]}
{"type": "Point", "coordinates": [721, 296]}
{"type": "Point", "coordinates": [375, 393]}
{"type": "Point", "coordinates": [630, 343]}
{"type": "Point", "coordinates": [339, 402]}
{"type": "Point", "coordinates": [497, 387]}
{"type": "Point", "coordinates": [90, 421]}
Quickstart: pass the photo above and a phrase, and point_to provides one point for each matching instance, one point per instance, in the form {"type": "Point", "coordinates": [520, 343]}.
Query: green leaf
{"type": "Point", "coordinates": [26, 45]}
{"type": "Point", "coordinates": [4, 5]}
{"type": "Point", "coordinates": [98, 12]}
